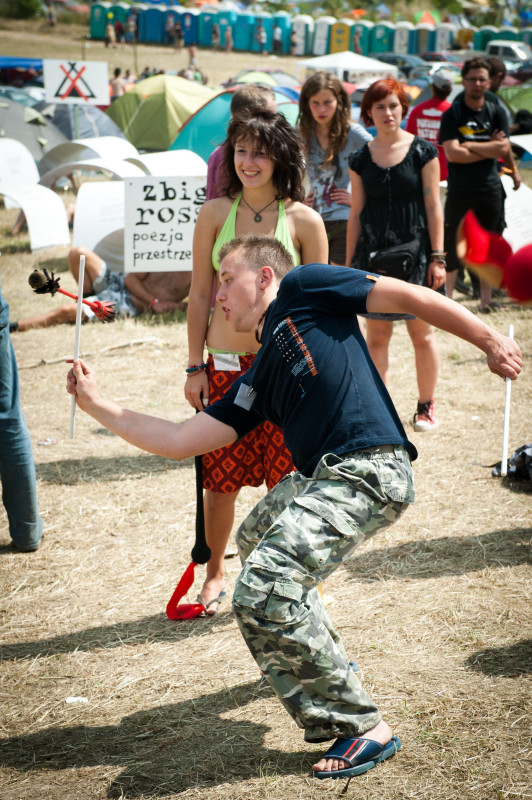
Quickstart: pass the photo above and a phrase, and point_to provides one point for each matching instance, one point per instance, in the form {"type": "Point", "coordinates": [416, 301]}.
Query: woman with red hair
{"type": "Point", "coordinates": [396, 210]}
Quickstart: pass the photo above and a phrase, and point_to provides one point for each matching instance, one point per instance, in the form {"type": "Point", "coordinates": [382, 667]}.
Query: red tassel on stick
{"type": "Point", "coordinates": [186, 610]}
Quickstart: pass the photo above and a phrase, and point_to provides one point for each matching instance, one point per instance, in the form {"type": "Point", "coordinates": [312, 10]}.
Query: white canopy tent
{"type": "Point", "coordinates": [347, 66]}
{"type": "Point", "coordinates": [17, 166]}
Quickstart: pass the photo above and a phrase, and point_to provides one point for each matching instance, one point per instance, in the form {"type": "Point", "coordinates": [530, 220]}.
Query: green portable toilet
{"type": "Point", "coordinates": [98, 20]}
{"type": "Point", "coordinates": [526, 36]}
{"type": "Point", "coordinates": [512, 34]}
{"type": "Point", "coordinates": [484, 35]}
{"type": "Point", "coordinates": [303, 27]}
{"type": "Point", "coordinates": [341, 36]}
{"type": "Point", "coordinates": [120, 11]}
{"type": "Point", "coordinates": [382, 37]}
{"type": "Point", "coordinates": [322, 36]}
{"type": "Point", "coordinates": [362, 29]}
{"type": "Point", "coordinates": [445, 33]}
{"type": "Point", "coordinates": [426, 37]}
{"type": "Point", "coordinates": [405, 39]}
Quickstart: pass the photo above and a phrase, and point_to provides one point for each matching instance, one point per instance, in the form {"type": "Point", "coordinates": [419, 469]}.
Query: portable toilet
{"type": "Point", "coordinates": [303, 27]}
{"type": "Point", "coordinates": [189, 23]}
{"type": "Point", "coordinates": [341, 35]}
{"type": "Point", "coordinates": [484, 35]}
{"type": "Point", "coordinates": [382, 37]}
{"type": "Point", "coordinates": [227, 17]}
{"type": "Point", "coordinates": [526, 36]}
{"type": "Point", "coordinates": [426, 37]}
{"type": "Point", "coordinates": [507, 32]}
{"type": "Point", "coordinates": [445, 33]}
{"type": "Point", "coordinates": [151, 24]}
{"type": "Point", "coordinates": [464, 36]}
{"type": "Point", "coordinates": [362, 31]}
{"type": "Point", "coordinates": [267, 22]}
{"type": "Point", "coordinates": [206, 19]}
{"type": "Point", "coordinates": [284, 20]}
{"type": "Point", "coordinates": [322, 36]}
{"type": "Point", "coordinates": [120, 11]}
{"type": "Point", "coordinates": [98, 20]}
{"type": "Point", "coordinates": [405, 39]}
{"type": "Point", "coordinates": [243, 33]}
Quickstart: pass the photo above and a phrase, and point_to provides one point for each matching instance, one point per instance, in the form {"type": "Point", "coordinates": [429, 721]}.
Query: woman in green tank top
{"type": "Point", "coordinates": [264, 171]}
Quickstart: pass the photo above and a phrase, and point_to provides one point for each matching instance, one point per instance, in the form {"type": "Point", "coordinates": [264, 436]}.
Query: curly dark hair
{"type": "Point", "coordinates": [340, 122]}
{"type": "Point", "coordinates": [269, 131]}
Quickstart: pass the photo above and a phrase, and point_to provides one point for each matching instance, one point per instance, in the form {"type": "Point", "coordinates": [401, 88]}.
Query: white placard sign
{"type": "Point", "coordinates": [160, 217]}
{"type": "Point", "coordinates": [76, 81]}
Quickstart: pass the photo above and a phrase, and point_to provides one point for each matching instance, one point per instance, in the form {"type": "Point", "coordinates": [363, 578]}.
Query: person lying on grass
{"type": "Point", "coordinates": [313, 376]}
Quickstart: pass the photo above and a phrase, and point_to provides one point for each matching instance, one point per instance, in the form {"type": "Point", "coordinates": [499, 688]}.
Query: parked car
{"type": "Point", "coordinates": [429, 67]}
{"type": "Point", "coordinates": [508, 50]}
{"type": "Point", "coordinates": [443, 55]}
{"type": "Point", "coordinates": [404, 63]}
{"type": "Point", "coordinates": [521, 72]}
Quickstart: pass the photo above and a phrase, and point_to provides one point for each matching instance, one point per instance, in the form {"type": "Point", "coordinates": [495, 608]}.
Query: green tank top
{"type": "Point", "coordinates": [228, 232]}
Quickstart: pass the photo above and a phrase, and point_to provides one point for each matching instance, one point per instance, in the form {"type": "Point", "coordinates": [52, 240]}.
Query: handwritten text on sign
{"type": "Point", "coordinates": [160, 217]}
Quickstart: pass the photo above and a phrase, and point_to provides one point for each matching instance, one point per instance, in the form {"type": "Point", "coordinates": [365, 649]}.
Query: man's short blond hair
{"type": "Point", "coordinates": [260, 251]}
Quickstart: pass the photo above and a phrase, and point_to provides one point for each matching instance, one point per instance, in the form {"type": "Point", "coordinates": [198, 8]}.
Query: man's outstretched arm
{"type": "Point", "coordinates": [394, 296]}
{"type": "Point", "coordinates": [200, 434]}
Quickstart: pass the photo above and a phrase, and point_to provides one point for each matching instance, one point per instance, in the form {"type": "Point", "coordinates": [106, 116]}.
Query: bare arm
{"type": "Point", "coordinates": [472, 152]}
{"type": "Point", "coordinates": [310, 235]}
{"type": "Point", "coordinates": [196, 436]}
{"type": "Point", "coordinates": [430, 177]}
{"type": "Point", "coordinates": [394, 296]}
{"type": "Point", "coordinates": [358, 200]}
{"type": "Point", "coordinates": [199, 302]}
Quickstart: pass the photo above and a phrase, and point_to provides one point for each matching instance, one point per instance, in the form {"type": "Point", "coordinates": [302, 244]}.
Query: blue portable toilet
{"type": "Point", "coordinates": [362, 30]}
{"type": "Point", "coordinates": [341, 35]}
{"type": "Point", "coordinates": [207, 17]}
{"type": "Point", "coordinates": [322, 36]}
{"type": "Point", "coordinates": [243, 33]}
{"type": "Point", "coordinates": [382, 37]}
{"type": "Point", "coordinates": [445, 33]}
{"type": "Point", "coordinates": [189, 23]}
{"type": "Point", "coordinates": [303, 27]}
{"type": "Point", "coordinates": [226, 19]}
{"type": "Point", "coordinates": [405, 39]}
{"type": "Point", "coordinates": [151, 24]}
{"type": "Point", "coordinates": [267, 21]}
{"type": "Point", "coordinates": [426, 37]}
{"type": "Point", "coordinates": [284, 20]}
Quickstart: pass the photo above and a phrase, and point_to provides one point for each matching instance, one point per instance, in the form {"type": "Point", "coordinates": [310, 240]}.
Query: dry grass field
{"type": "Point", "coordinates": [436, 610]}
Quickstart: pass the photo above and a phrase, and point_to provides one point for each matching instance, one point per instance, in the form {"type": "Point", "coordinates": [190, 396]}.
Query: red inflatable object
{"type": "Point", "coordinates": [491, 257]}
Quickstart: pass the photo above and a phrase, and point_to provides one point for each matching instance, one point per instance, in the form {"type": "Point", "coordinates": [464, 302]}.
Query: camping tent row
{"type": "Point", "coordinates": [313, 37]}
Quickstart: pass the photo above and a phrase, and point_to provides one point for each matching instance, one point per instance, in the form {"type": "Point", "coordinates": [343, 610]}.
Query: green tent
{"type": "Point", "coordinates": [153, 110]}
{"type": "Point", "coordinates": [517, 97]}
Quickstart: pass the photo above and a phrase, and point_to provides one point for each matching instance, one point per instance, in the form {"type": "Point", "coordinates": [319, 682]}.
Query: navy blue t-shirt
{"type": "Point", "coordinates": [313, 375]}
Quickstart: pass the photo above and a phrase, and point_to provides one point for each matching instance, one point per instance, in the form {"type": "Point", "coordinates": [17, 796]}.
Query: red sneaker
{"type": "Point", "coordinates": [425, 417]}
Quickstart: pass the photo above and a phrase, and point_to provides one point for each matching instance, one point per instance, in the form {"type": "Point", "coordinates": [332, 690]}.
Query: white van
{"type": "Point", "coordinates": [508, 50]}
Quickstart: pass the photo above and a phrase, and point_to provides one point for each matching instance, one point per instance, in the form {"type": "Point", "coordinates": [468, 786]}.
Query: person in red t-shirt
{"type": "Point", "coordinates": [424, 119]}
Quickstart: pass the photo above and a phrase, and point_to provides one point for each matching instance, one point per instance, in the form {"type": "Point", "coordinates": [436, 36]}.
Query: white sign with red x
{"type": "Point", "coordinates": [76, 81]}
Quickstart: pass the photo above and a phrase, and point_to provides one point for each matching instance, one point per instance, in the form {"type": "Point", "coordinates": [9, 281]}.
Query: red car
{"type": "Point", "coordinates": [443, 55]}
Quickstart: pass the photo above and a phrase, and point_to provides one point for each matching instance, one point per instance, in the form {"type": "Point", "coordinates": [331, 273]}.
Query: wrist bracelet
{"type": "Point", "coordinates": [196, 368]}
{"type": "Point", "coordinates": [154, 302]}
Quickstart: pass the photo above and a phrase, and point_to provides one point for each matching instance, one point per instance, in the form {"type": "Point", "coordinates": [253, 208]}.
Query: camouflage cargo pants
{"type": "Point", "coordinates": [296, 536]}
